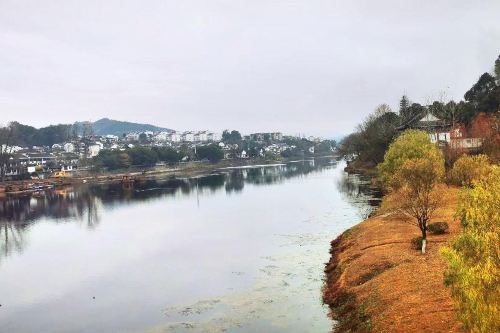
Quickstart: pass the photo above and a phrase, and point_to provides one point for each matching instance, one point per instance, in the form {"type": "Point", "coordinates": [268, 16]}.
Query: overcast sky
{"type": "Point", "coordinates": [313, 67]}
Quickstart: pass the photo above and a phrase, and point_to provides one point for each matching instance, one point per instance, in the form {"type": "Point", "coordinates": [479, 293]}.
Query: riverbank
{"type": "Point", "coordinates": [358, 167]}
{"type": "Point", "coordinates": [376, 281]}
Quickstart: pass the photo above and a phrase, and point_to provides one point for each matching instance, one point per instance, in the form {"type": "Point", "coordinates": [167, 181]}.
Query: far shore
{"type": "Point", "coordinates": [181, 170]}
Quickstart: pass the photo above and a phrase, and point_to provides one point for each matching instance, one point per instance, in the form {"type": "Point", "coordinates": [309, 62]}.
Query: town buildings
{"type": "Point", "coordinates": [70, 155]}
{"type": "Point", "coordinates": [271, 136]}
{"type": "Point", "coordinates": [188, 136]}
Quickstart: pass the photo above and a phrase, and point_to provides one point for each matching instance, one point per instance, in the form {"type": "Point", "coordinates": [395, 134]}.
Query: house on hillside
{"type": "Point", "coordinates": [458, 136]}
{"type": "Point", "coordinates": [482, 127]}
{"type": "Point", "coordinates": [438, 129]}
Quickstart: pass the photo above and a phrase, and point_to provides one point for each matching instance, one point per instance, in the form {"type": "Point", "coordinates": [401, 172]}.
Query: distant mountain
{"type": "Point", "coordinates": [106, 126]}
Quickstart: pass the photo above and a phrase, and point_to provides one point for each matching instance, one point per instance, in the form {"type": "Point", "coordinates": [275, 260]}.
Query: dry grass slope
{"type": "Point", "coordinates": [376, 281]}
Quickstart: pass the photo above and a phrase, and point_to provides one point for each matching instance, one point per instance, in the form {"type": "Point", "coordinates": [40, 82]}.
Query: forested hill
{"type": "Point", "coordinates": [106, 126]}
{"type": "Point", "coordinates": [27, 136]}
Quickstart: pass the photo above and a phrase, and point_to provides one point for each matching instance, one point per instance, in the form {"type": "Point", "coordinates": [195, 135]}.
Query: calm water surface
{"type": "Point", "coordinates": [240, 250]}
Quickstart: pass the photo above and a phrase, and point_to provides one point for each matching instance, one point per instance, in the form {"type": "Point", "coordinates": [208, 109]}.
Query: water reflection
{"type": "Point", "coordinates": [359, 191]}
{"type": "Point", "coordinates": [12, 239]}
{"type": "Point", "coordinates": [62, 204]}
{"type": "Point", "coordinates": [84, 203]}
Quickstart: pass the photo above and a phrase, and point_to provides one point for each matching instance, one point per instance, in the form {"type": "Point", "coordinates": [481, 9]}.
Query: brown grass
{"type": "Point", "coordinates": [376, 281]}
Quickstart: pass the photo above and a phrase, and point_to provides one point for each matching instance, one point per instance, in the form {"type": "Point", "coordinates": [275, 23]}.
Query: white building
{"type": "Point", "coordinates": [440, 137]}
{"type": "Point", "coordinates": [203, 136]}
{"type": "Point", "coordinates": [162, 137]}
{"type": "Point", "coordinates": [188, 136]}
{"type": "Point", "coordinates": [69, 147]}
{"type": "Point", "coordinates": [214, 137]}
{"type": "Point", "coordinates": [94, 149]}
{"type": "Point", "coordinates": [175, 137]}
{"type": "Point", "coordinates": [111, 137]}
{"type": "Point", "coordinates": [11, 149]}
{"type": "Point", "coordinates": [132, 137]}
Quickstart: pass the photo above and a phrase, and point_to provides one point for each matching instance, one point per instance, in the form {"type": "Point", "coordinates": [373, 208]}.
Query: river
{"type": "Point", "coordinates": [239, 250]}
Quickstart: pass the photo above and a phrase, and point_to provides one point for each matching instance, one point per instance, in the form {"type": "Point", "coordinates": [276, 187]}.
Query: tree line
{"type": "Point", "coordinates": [28, 136]}
{"type": "Point", "coordinates": [142, 156]}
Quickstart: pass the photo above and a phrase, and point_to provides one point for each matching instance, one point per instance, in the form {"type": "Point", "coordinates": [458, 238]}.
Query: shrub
{"type": "Point", "coordinates": [142, 156]}
{"type": "Point", "coordinates": [438, 228]}
{"type": "Point", "coordinates": [112, 159]}
{"type": "Point", "coordinates": [211, 152]}
{"type": "Point", "coordinates": [167, 154]}
{"type": "Point", "coordinates": [468, 169]}
{"type": "Point", "coordinates": [412, 144]}
{"type": "Point", "coordinates": [473, 258]}
{"type": "Point", "coordinates": [416, 243]}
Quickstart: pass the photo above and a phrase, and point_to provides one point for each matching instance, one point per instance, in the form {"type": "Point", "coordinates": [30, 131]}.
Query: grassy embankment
{"type": "Point", "coordinates": [377, 282]}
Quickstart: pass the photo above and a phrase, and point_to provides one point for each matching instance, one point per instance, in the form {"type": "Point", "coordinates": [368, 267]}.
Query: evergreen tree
{"type": "Point", "coordinates": [404, 105]}
{"type": "Point", "coordinates": [484, 95]}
